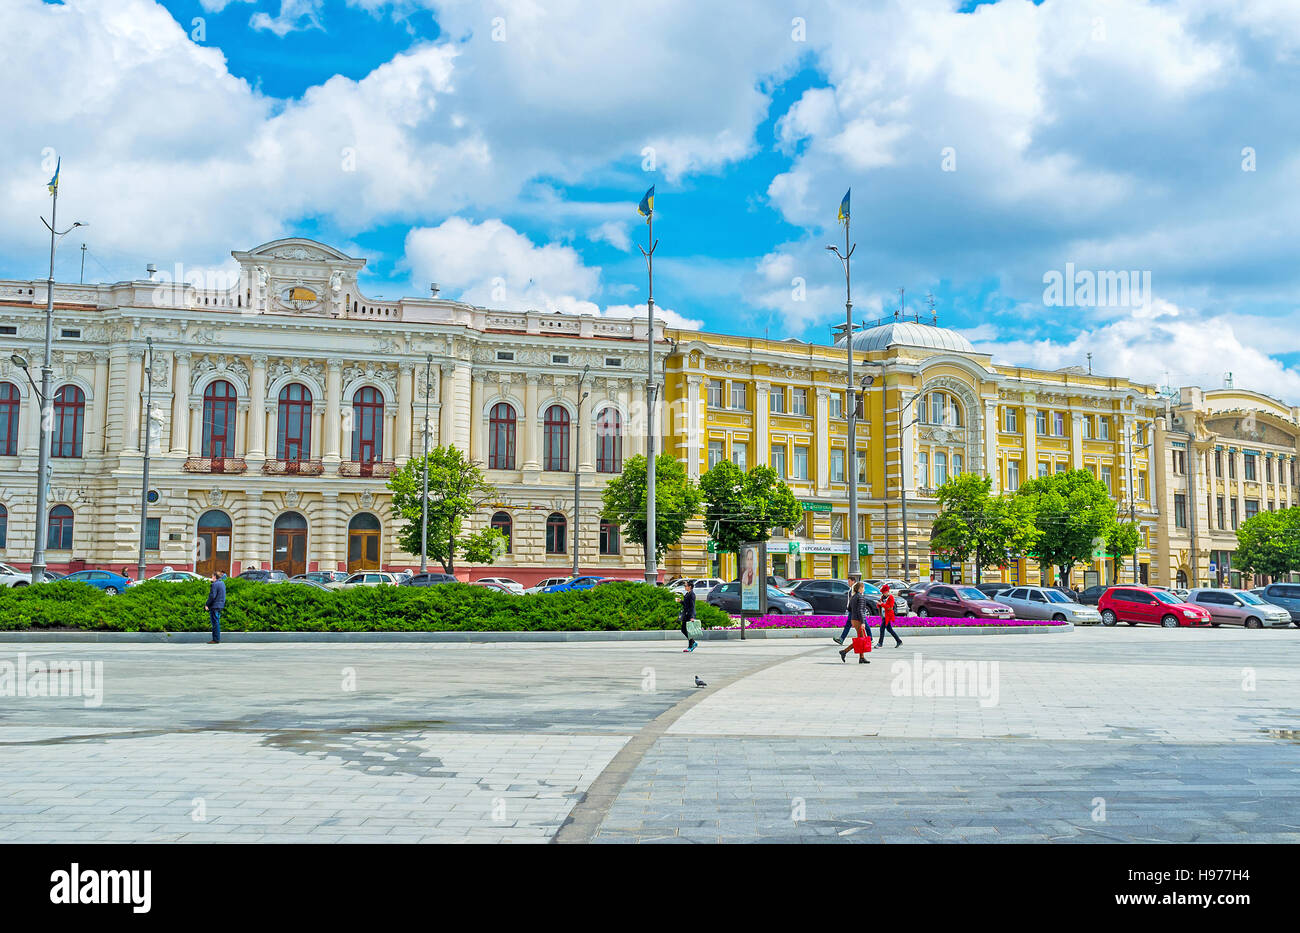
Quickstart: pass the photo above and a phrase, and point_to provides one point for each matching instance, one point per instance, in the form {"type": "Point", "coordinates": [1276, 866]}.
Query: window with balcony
{"type": "Point", "coordinates": [556, 434]}
{"type": "Point", "coordinates": [501, 437]}
{"type": "Point", "coordinates": [219, 405]}
{"type": "Point", "coordinates": [293, 435]}
{"type": "Point", "coordinates": [367, 425]}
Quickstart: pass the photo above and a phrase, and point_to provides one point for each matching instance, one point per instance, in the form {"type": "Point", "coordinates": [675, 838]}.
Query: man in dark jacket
{"type": "Point", "coordinates": [688, 613]}
{"type": "Point", "coordinates": [216, 602]}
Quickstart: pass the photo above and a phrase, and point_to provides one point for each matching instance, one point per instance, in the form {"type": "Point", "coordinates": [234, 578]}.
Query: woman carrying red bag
{"type": "Point", "coordinates": [858, 608]}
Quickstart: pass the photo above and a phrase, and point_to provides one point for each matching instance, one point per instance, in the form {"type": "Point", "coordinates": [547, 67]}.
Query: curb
{"type": "Point", "coordinates": [191, 638]}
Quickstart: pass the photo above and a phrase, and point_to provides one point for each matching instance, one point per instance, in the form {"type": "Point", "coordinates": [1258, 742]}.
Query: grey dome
{"type": "Point", "coordinates": [909, 334]}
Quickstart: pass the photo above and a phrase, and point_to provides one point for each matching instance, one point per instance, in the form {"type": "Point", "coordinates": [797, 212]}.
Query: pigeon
{"type": "Point", "coordinates": [698, 682]}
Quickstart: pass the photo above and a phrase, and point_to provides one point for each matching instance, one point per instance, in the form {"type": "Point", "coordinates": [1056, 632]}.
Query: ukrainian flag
{"type": "Point", "coordinates": [54, 182]}
{"type": "Point", "coordinates": [647, 205]}
{"type": "Point", "coordinates": [844, 208]}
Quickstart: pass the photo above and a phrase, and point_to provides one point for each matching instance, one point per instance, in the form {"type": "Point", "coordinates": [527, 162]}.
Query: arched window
{"type": "Point", "coordinates": [608, 537]}
{"type": "Point", "coordinates": [501, 437]}
{"type": "Point", "coordinates": [293, 440]}
{"type": "Point", "coordinates": [59, 537]}
{"type": "Point", "coordinates": [4, 526]}
{"type": "Point", "coordinates": [954, 409]}
{"type": "Point", "coordinates": [940, 468]}
{"type": "Point", "coordinates": [609, 442]}
{"type": "Point", "coordinates": [556, 526]}
{"type": "Point", "coordinates": [936, 408]}
{"type": "Point", "coordinates": [69, 420]}
{"type": "Point", "coordinates": [10, 402]}
{"type": "Point", "coordinates": [501, 522]}
{"type": "Point", "coordinates": [219, 400]}
{"type": "Point", "coordinates": [367, 425]}
{"type": "Point", "coordinates": [557, 439]}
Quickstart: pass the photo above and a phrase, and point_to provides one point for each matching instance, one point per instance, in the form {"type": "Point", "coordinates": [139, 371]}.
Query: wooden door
{"type": "Point", "coordinates": [290, 551]}
{"type": "Point", "coordinates": [363, 550]}
{"type": "Point", "coordinates": [213, 552]}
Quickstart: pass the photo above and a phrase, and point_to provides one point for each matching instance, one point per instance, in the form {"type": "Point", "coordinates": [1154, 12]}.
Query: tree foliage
{"type": "Point", "coordinates": [1122, 540]}
{"type": "Point", "coordinates": [1269, 543]}
{"type": "Point", "coordinates": [457, 490]}
{"type": "Point", "coordinates": [1073, 512]}
{"type": "Point", "coordinates": [677, 501]}
{"type": "Point", "coordinates": [975, 525]}
{"type": "Point", "coordinates": [746, 505]}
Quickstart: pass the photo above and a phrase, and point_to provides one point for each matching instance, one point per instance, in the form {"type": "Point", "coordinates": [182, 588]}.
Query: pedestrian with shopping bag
{"type": "Point", "coordinates": [859, 607]}
{"type": "Point", "coordinates": [690, 627]}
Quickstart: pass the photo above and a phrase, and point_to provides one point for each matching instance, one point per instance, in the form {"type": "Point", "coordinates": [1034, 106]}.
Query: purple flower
{"type": "Point", "coordinates": [776, 621]}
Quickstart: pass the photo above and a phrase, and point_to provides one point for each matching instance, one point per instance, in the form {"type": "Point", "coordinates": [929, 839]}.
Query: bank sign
{"type": "Point", "coordinates": [827, 547]}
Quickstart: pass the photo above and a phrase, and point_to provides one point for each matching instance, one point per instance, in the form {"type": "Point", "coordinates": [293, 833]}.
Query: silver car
{"type": "Point", "coordinates": [1041, 602]}
{"type": "Point", "coordinates": [1238, 607]}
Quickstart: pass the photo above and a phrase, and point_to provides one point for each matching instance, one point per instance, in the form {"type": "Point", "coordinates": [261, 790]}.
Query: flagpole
{"type": "Point", "coordinates": [651, 557]}
{"type": "Point", "coordinates": [851, 396]}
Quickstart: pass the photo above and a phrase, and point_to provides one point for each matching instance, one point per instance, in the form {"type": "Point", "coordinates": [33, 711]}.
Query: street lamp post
{"type": "Point", "coordinates": [855, 569]}
{"type": "Point", "coordinates": [47, 402]}
{"type": "Point", "coordinates": [144, 480]}
{"type": "Point", "coordinates": [651, 557]}
{"type": "Point", "coordinates": [424, 490]}
{"type": "Point", "coordinates": [577, 485]}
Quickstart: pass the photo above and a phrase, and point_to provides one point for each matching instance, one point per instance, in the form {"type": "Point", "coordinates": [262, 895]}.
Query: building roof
{"type": "Point", "coordinates": [909, 334]}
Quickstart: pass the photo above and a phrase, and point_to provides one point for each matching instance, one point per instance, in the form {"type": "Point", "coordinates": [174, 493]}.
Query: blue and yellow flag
{"type": "Point", "coordinates": [844, 208]}
{"type": "Point", "coordinates": [54, 182]}
{"type": "Point", "coordinates": [647, 205]}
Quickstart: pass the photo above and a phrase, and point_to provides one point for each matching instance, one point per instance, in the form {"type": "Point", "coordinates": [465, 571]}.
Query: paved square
{"type": "Point", "coordinates": [1101, 735]}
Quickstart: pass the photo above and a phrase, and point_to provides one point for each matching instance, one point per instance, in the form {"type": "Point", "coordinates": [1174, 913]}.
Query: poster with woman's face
{"type": "Point", "coordinates": [751, 580]}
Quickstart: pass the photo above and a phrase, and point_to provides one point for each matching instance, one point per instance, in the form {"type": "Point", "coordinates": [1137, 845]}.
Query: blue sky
{"type": "Point", "coordinates": [500, 149]}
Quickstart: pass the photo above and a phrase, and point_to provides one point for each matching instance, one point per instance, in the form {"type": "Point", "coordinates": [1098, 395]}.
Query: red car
{"type": "Point", "coordinates": [1134, 604]}
{"type": "Point", "coordinates": [954, 601]}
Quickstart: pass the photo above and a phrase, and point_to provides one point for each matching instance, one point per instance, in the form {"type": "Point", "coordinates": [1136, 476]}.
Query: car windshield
{"type": "Point", "coordinates": [1250, 599]}
{"type": "Point", "coordinates": [870, 590]}
{"type": "Point", "coordinates": [1164, 597]}
{"type": "Point", "coordinates": [969, 592]}
{"type": "Point", "coordinates": [1056, 596]}
{"type": "Point", "coordinates": [774, 592]}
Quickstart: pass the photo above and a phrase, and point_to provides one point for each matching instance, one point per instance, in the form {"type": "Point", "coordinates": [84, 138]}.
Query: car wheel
{"type": "Point", "coordinates": [1169, 622]}
{"type": "Point", "coordinates": [24, 583]}
{"type": "Point", "coordinates": [1214, 625]}
{"type": "Point", "coordinates": [1058, 618]}
{"type": "Point", "coordinates": [110, 590]}
{"type": "Point", "coordinates": [1108, 618]}
{"type": "Point", "coordinates": [1252, 622]}
{"type": "Point", "coordinates": [922, 612]}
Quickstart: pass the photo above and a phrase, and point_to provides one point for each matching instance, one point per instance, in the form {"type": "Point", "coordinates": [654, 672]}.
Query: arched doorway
{"type": "Point", "coordinates": [289, 552]}
{"type": "Point", "coordinates": [213, 552]}
{"type": "Point", "coordinates": [1181, 580]}
{"type": "Point", "coordinates": [363, 542]}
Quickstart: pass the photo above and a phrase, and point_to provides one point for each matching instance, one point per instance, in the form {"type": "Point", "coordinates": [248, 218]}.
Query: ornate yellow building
{"type": "Point", "coordinates": [935, 408]}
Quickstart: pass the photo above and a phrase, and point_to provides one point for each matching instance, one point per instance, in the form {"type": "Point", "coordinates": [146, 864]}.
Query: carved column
{"type": "Point", "coordinates": [528, 425]}
{"type": "Point", "coordinates": [585, 424]}
{"type": "Point", "coordinates": [194, 410]}
{"type": "Point", "coordinates": [448, 405]}
{"type": "Point", "coordinates": [477, 448]}
{"type": "Point", "coordinates": [134, 411]}
{"type": "Point", "coordinates": [101, 405]}
{"type": "Point", "coordinates": [333, 424]}
{"type": "Point", "coordinates": [405, 377]}
{"type": "Point", "coordinates": [257, 409]}
{"type": "Point", "coordinates": [181, 405]}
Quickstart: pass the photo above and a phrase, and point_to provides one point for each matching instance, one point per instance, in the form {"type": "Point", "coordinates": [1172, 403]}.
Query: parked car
{"type": "Point", "coordinates": [913, 591]}
{"type": "Point", "coordinates": [432, 578]}
{"type": "Point", "coordinates": [541, 585]}
{"type": "Point", "coordinates": [264, 576]}
{"type": "Point", "coordinates": [491, 585]}
{"type": "Point", "coordinates": [573, 583]}
{"type": "Point", "coordinates": [1089, 596]}
{"type": "Point", "coordinates": [178, 576]}
{"type": "Point", "coordinates": [1238, 607]}
{"type": "Point", "coordinates": [369, 578]}
{"type": "Point", "coordinates": [993, 589]}
{"type": "Point", "coordinates": [702, 586]}
{"type": "Point", "coordinates": [1134, 604]}
{"type": "Point", "coordinates": [301, 580]}
{"type": "Point", "coordinates": [955, 600]}
{"type": "Point", "coordinates": [1041, 602]}
{"type": "Point", "coordinates": [727, 598]}
{"type": "Point", "coordinates": [402, 576]}
{"type": "Point", "coordinates": [831, 597]}
{"type": "Point", "coordinates": [12, 576]}
{"type": "Point", "coordinates": [326, 578]}
{"type": "Point", "coordinates": [1181, 593]}
{"type": "Point", "coordinates": [505, 583]}
{"type": "Point", "coordinates": [1286, 595]}
{"type": "Point", "coordinates": [111, 583]}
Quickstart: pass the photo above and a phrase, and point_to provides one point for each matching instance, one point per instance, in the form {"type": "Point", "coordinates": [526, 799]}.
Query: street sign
{"type": "Point", "coordinates": [793, 547]}
{"type": "Point", "coordinates": [866, 550]}
{"type": "Point", "coordinates": [815, 506]}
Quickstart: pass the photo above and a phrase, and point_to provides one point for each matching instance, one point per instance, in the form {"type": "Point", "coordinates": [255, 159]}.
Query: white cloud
{"type": "Point", "coordinates": [294, 15]}
{"type": "Point", "coordinates": [613, 233]}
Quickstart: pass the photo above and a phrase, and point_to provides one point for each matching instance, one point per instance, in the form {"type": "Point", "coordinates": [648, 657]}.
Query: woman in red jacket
{"type": "Point", "coordinates": [887, 616]}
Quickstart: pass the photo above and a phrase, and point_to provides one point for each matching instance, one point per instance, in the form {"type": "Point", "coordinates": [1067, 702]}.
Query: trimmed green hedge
{"type": "Point", "coordinates": [263, 607]}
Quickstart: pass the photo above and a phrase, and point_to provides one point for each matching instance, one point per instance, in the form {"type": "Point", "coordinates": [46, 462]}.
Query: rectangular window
{"type": "Point", "coordinates": [776, 400]}
{"type": "Point", "coordinates": [1058, 423]}
{"type": "Point", "coordinates": [739, 455]}
{"type": "Point", "coordinates": [1142, 485]}
{"type": "Point", "coordinates": [837, 465]}
{"type": "Point", "coordinates": [778, 460]}
{"type": "Point", "coordinates": [1252, 507]}
{"type": "Point", "coordinates": [799, 399]}
{"type": "Point", "coordinates": [801, 463]}
{"type": "Point", "coordinates": [151, 533]}
{"type": "Point", "coordinates": [1180, 462]}
{"type": "Point", "coordinates": [1013, 475]}
{"type": "Point", "coordinates": [1040, 423]}
{"type": "Point", "coordinates": [1233, 510]}
{"type": "Point", "coordinates": [1218, 463]}
{"type": "Point", "coordinates": [957, 469]}
{"type": "Point", "coordinates": [1086, 424]}
{"type": "Point", "coordinates": [1250, 467]}
{"type": "Point", "coordinates": [1062, 466]}
{"type": "Point", "coordinates": [1232, 464]}
{"type": "Point", "coordinates": [739, 396]}
{"type": "Point", "coordinates": [1103, 428]}
{"type": "Point", "coordinates": [715, 393]}
{"type": "Point", "coordinates": [940, 468]}
{"type": "Point", "coordinates": [505, 356]}
{"type": "Point", "coordinates": [1106, 478]}
{"type": "Point", "coordinates": [1268, 469]}
{"type": "Point", "coordinates": [837, 405]}
{"type": "Point", "coordinates": [923, 470]}
{"type": "Point", "coordinates": [70, 333]}
{"type": "Point", "coordinates": [560, 358]}
{"type": "Point", "coordinates": [1009, 420]}
{"type": "Point", "coordinates": [716, 453]}
{"type": "Point", "coordinates": [862, 467]}
{"type": "Point", "coordinates": [613, 361]}
{"type": "Point", "coordinates": [608, 539]}
{"type": "Point", "coordinates": [1180, 510]}
{"type": "Point", "coordinates": [1044, 468]}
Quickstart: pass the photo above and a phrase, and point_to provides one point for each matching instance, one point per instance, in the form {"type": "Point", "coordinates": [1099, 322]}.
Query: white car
{"type": "Point", "coordinates": [12, 576]}
{"type": "Point", "coordinates": [369, 578]}
{"type": "Point", "coordinates": [178, 576]}
{"type": "Point", "coordinates": [549, 581]}
{"type": "Point", "coordinates": [505, 583]}
{"type": "Point", "coordinates": [703, 586]}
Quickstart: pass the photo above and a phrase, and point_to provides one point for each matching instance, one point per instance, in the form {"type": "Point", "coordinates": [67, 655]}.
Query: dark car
{"type": "Point", "coordinates": [429, 579]}
{"type": "Point", "coordinates": [1286, 595]}
{"type": "Point", "coordinates": [954, 600]}
{"type": "Point", "coordinates": [727, 598]}
{"type": "Point", "coordinates": [993, 589]}
{"type": "Point", "coordinates": [1090, 596]}
{"type": "Point", "coordinates": [264, 576]}
{"type": "Point", "coordinates": [831, 597]}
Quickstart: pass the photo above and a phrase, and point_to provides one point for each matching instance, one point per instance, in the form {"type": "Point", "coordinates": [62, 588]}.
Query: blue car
{"type": "Point", "coordinates": [111, 583]}
{"type": "Point", "coordinates": [577, 583]}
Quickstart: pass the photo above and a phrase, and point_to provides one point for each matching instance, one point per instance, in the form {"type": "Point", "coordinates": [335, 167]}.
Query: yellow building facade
{"type": "Point", "coordinates": [935, 408]}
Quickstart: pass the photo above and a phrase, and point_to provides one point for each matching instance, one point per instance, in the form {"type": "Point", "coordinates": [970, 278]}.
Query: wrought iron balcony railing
{"type": "Point", "coordinates": [367, 468]}
{"type": "Point", "coordinates": [293, 467]}
{"type": "Point", "coordinates": [215, 465]}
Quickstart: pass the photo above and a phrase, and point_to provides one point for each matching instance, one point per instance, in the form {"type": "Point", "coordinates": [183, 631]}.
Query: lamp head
{"type": "Point", "coordinates": [18, 361]}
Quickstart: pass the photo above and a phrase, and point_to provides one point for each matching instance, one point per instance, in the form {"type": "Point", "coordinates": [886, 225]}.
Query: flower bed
{"type": "Point", "coordinates": [771, 621]}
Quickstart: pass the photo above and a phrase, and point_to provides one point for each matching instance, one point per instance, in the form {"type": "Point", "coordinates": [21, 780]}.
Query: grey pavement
{"type": "Point", "coordinates": [1099, 735]}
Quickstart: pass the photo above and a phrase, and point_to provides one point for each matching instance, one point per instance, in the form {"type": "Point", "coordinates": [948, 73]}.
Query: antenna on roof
{"type": "Point", "coordinates": [902, 304]}
{"type": "Point", "coordinates": [1089, 364]}
{"type": "Point", "coordinates": [934, 315]}
{"type": "Point", "coordinates": [1227, 380]}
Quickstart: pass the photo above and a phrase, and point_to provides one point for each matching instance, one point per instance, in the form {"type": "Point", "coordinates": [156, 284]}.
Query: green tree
{"type": "Point", "coordinates": [1122, 539]}
{"type": "Point", "coordinates": [1269, 543]}
{"type": "Point", "coordinates": [1073, 511]}
{"type": "Point", "coordinates": [743, 506]}
{"type": "Point", "coordinates": [677, 501]}
{"type": "Point", "coordinates": [975, 525]}
{"type": "Point", "coordinates": [457, 490]}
